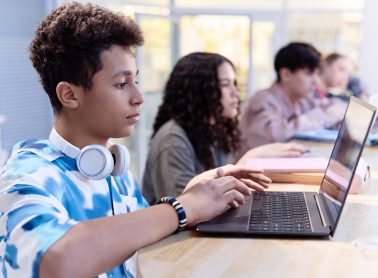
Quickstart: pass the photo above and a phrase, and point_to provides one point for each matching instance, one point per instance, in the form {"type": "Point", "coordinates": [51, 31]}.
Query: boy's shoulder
{"type": "Point", "coordinates": [30, 156]}
{"type": "Point", "coordinates": [36, 147]}
{"type": "Point", "coordinates": [272, 92]}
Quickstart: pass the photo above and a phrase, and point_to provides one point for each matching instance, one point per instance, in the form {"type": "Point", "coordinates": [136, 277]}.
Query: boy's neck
{"type": "Point", "coordinates": [287, 91]}
{"type": "Point", "coordinates": [76, 135]}
{"type": "Point", "coordinates": [322, 83]}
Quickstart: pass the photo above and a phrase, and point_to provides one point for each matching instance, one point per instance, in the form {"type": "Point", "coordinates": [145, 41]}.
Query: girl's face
{"type": "Point", "coordinates": [337, 74]}
{"type": "Point", "coordinates": [230, 92]}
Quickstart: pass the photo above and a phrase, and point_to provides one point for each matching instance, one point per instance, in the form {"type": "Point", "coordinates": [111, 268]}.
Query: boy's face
{"type": "Point", "coordinates": [300, 83]}
{"type": "Point", "coordinates": [111, 108]}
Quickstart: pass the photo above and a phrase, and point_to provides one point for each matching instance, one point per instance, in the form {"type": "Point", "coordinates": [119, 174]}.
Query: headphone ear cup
{"type": "Point", "coordinates": [121, 157]}
{"type": "Point", "coordinates": [95, 162]}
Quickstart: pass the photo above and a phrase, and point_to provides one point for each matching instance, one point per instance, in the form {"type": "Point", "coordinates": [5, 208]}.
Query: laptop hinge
{"type": "Point", "coordinates": [317, 201]}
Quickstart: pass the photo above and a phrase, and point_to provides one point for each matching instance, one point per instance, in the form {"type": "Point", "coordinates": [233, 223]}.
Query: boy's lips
{"type": "Point", "coordinates": [134, 117]}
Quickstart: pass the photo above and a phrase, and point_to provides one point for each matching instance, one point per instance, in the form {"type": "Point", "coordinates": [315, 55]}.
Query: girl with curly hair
{"type": "Point", "coordinates": [196, 126]}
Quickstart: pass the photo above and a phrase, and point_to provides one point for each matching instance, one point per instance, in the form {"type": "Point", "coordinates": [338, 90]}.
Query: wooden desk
{"type": "Point", "coordinates": [189, 254]}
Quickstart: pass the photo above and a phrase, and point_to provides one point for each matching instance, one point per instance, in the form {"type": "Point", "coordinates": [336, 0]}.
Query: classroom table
{"type": "Point", "coordinates": [352, 252]}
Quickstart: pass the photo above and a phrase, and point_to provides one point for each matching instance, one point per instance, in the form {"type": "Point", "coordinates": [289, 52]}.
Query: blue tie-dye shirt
{"type": "Point", "coordinates": [42, 196]}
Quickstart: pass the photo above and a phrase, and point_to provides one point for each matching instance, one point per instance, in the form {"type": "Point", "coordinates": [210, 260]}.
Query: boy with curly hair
{"type": "Point", "coordinates": [68, 205]}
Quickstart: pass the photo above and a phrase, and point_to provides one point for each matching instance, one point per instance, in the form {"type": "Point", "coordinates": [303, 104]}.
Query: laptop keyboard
{"type": "Point", "coordinates": [279, 212]}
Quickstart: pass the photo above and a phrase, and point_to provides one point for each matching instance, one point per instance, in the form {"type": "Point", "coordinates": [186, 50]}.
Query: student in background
{"type": "Point", "coordinates": [196, 126]}
{"type": "Point", "coordinates": [334, 73]}
{"type": "Point", "coordinates": [69, 207]}
{"type": "Point", "coordinates": [336, 79]}
{"type": "Point", "coordinates": [277, 113]}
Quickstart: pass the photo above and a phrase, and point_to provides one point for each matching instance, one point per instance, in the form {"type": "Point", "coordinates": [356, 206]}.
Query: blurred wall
{"type": "Point", "coordinates": [19, 17]}
{"type": "Point", "coordinates": [22, 99]}
{"type": "Point", "coordinates": [369, 48]}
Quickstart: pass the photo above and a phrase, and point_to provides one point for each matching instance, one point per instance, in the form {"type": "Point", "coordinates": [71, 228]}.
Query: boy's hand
{"type": "Point", "coordinates": [219, 190]}
{"type": "Point", "coordinates": [255, 176]}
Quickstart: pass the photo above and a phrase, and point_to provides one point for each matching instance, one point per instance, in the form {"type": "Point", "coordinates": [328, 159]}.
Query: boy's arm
{"type": "Point", "coordinates": [264, 121]}
{"type": "Point", "coordinates": [96, 246]}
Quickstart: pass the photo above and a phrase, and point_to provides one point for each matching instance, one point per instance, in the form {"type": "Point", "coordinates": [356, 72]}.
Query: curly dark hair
{"type": "Point", "coordinates": [192, 97]}
{"type": "Point", "coordinates": [68, 44]}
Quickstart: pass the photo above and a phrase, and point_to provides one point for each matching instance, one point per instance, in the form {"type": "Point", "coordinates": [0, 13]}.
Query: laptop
{"type": "Point", "coordinates": [304, 213]}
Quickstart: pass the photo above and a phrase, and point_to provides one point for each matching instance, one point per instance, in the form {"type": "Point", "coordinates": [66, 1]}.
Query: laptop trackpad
{"type": "Point", "coordinates": [233, 220]}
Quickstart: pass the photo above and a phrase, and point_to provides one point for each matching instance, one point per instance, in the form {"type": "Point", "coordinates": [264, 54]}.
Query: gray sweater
{"type": "Point", "coordinates": [172, 163]}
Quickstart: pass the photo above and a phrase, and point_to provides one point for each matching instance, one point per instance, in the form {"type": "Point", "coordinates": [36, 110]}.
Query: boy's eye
{"type": "Point", "coordinates": [124, 84]}
{"type": "Point", "coordinates": [121, 85]}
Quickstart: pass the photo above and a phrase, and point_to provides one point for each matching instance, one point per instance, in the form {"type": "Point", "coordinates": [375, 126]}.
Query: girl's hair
{"type": "Point", "coordinates": [192, 97]}
{"type": "Point", "coordinates": [331, 58]}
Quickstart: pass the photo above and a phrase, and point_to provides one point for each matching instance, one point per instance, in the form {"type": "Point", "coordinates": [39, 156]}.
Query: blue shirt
{"type": "Point", "coordinates": [42, 196]}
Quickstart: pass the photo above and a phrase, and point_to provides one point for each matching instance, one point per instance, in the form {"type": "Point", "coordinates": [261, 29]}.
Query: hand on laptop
{"type": "Point", "coordinates": [253, 177]}
{"type": "Point", "coordinates": [219, 190]}
{"type": "Point", "coordinates": [274, 150]}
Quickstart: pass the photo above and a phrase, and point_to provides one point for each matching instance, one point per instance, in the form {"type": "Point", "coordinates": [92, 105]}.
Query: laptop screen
{"type": "Point", "coordinates": [345, 156]}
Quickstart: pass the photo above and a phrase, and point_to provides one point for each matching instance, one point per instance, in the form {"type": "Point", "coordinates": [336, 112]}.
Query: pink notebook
{"type": "Point", "coordinates": [290, 165]}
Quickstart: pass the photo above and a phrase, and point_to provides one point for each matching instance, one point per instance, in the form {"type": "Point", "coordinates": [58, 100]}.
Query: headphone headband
{"type": "Point", "coordinates": [63, 145]}
{"type": "Point", "coordinates": [94, 161]}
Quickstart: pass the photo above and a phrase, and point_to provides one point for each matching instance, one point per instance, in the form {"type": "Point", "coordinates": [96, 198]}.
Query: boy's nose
{"type": "Point", "coordinates": [137, 97]}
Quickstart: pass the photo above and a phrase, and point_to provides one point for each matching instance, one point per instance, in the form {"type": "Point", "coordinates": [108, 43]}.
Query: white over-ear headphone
{"type": "Point", "coordinates": [95, 161]}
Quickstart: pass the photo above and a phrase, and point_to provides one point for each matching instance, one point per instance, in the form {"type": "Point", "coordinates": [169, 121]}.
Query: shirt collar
{"type": "Point", "coordinates": [42, 148]}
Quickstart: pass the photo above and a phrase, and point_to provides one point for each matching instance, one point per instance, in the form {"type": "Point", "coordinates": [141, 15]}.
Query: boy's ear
{"type": "Point", "coordinates": [285, 74]}
{"type": "Point", "coordinates": [67, 94]}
